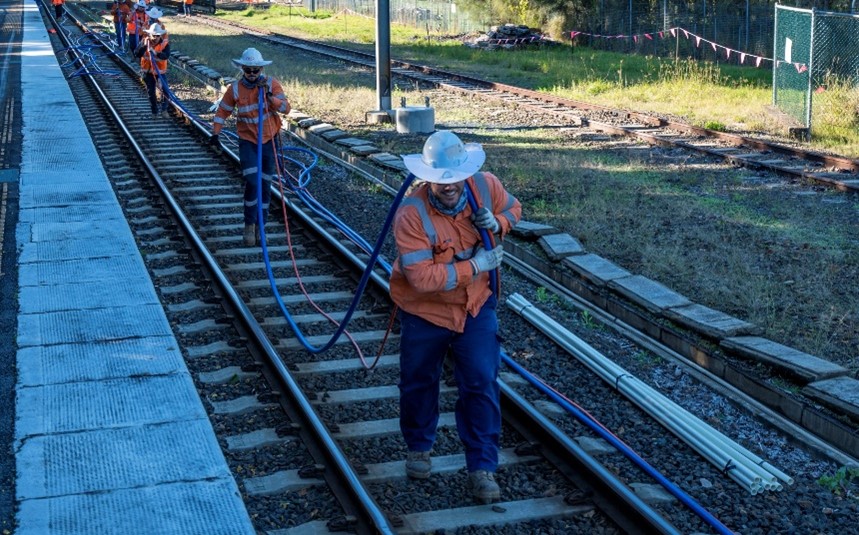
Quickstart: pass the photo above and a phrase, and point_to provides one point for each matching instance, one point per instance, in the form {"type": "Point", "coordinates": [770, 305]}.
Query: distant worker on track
{"type": "Point", "coordinates": [441, 284]}
{"type": "Point", "coordinates": [138, 22]}
{"type": "Point", "coordinates": [186, 8]}
{"type": "Point", "coordinates": [58, 8]}
{"type": "Point", "coordinates": [155, 15]}
{"type": "Point", "coordinates": [120, 12]}
{"type": "Point", "coordinates": [154, 51]}
{"type": "Point", "coordinates": [242, 97]}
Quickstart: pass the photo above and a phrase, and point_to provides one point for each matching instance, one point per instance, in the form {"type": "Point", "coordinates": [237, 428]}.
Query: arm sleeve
{"type": "Point", "coordinates": [506, 207]}
{"type": "Point", "coordinates": [165, 52]}
{"type": "Point", "coordinates": [225, 109]}
{"type": "Point", "coordinates": [278, 100]}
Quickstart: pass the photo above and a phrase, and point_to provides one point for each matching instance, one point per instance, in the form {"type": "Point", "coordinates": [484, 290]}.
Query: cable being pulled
{"type": "Point", "coordinates": [368, 270]}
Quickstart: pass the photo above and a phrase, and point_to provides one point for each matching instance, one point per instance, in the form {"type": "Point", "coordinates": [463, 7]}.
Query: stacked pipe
{"type": "Point", "coordinates": [741, 465]}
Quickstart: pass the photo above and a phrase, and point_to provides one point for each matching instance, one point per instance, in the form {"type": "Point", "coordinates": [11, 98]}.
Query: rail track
{"type": "Point", "coordinates": [338, 463]}
{"type": "Point", "coordinates": [831, 170]}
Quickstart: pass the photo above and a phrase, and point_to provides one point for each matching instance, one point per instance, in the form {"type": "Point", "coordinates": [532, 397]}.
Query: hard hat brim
{"type": "Point", "coordinates": [239, 63]}
{"type": "Point", "coordinates": [447, 175]}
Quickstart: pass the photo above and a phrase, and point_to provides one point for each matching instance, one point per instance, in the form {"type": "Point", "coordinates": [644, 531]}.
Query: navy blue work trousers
{"type": "Point", "coordinates": [248, 159]}
{"type": "Point", "coordinates": [476, 357]}
{"type": "Point", "coordinates": [120, 34]}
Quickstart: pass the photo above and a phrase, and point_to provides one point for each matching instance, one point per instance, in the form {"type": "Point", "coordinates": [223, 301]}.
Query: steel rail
{"type": "Point", "coordinates": [354, 496]}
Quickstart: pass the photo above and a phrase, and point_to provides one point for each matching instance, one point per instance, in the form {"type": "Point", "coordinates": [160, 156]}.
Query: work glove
{"type": "Point", "coordinates": [262, 82]}
{"type": "Point", "coordinates": [487, 260]}
{"type": "Point", "coordinates": [484, 218]}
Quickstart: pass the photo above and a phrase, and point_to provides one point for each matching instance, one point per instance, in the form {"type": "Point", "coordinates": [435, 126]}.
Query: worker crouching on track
{"type": "Point", "coordinates": [242, 97]}
{"type": "Point", "coordinates": [154, 51]}
{"type": "Point", "coordinates": [441, 284]}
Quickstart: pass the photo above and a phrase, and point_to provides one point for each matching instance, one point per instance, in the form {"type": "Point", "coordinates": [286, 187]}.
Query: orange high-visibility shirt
{"type": "Point", "coordinates": [244, 102]}
{"type": "Point", "coordinates": [432, 276]}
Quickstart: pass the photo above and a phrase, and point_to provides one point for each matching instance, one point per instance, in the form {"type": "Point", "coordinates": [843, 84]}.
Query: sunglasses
{"type": "Point", "coordinates": [251, 70]}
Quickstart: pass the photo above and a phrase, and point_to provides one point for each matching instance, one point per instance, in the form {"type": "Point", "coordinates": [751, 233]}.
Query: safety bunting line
{"type": "Point", "coordinates": [800, 67]}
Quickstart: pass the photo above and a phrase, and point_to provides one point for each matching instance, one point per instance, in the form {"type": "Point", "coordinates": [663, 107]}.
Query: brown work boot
{"type": "Point", "coordinates": [418, 464]}
{"type": "Point", "coordinates": [483, 486]}
{"type": "Point", "coordinates": [250, 235]}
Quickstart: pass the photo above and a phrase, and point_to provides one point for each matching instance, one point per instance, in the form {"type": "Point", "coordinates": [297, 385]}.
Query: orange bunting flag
{"type": "Point", "coordinates": [697, 41]}
{"type": "Point", "coordinates": [714, 47]}
{"type": "Point", "coordinates": [742, 57]}
{"type": "Point", "coordinates": [648, 36]}
{"type": "Point", "coordinates": [758, 60]}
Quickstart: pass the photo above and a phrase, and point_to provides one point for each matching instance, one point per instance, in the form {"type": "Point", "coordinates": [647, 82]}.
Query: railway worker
{"type": "Point", "coordinates": [186, 8]}
{"type": "Point", "coordinates": [440, 282]}
{"type": "Point", "coordinates": [242, 96]}
{"type": "Point", "coordinates": [155, 15]}
{"type": "Point", "coordinates": [58, 8]}
{"type": "Point", "coordinates": [138, 22]}
{"type": "Point", "coordinates": [120, 12]}
{"type": "Point", "coordinates": [154, 51]}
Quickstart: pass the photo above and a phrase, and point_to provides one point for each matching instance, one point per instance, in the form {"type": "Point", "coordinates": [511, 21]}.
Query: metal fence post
{"type": "Point", "coordinates": [810, 74]}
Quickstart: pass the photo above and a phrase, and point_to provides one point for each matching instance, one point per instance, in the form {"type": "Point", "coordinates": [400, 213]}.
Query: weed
{"type": "Point", "coordinates": [715, 125]}
{"type": "Point", "coordinates": [781, 384]}
{"type": "Point", "coordinates": [589, 321]}
{"type": "Point", "coordinates": [543, 295]}
{"type": "Point", "coordinates": [840, 482]}
{"type": "Point", "coordinates": [646, 359]}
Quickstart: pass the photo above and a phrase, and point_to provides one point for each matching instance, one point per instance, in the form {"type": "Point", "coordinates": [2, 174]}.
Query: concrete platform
{"type": "Point", "coordinates": [110, 433]}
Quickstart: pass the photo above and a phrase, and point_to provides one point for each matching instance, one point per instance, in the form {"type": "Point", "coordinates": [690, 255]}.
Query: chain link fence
{"type": "Point", "coordinates": [740, 25]}
{"type": "Point", "coordinates": [432, 16]}
{"type": "Point", "coordinates": [811, 50]}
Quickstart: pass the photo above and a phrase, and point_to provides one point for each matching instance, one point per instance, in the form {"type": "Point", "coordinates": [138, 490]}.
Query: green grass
{"type": "Point", "coordinates": [707, 94]}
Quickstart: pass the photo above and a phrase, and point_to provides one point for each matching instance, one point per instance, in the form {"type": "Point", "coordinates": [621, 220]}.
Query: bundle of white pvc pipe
{"type": "Point", "coordinates": [741, 465]}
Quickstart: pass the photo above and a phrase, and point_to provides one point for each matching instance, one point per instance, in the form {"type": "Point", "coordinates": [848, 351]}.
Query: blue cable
{"type": "Point", "coordinates": [368, 270]}
{"type": "Point", "coordinates": [484, 235]}
{"type": "Point", "coordinates": [623, 448]}
{"type": "Point", "coordinates": [374, 259]}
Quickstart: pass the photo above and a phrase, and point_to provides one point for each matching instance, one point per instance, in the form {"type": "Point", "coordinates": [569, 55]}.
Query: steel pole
{"type": "Point", "coordinates": [383, 55]}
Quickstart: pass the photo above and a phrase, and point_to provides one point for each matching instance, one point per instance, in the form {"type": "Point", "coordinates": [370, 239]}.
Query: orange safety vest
{"type": "Point", "coordinates": [146, 63]}
{"type": "Point", "coordinates": [136, 17]}
{"type": "Point", "coordinates": [189, 1]}
{"type": "Point", "coordinates": [119, 10]}
{"type": "Point", "coordinates": [244, 101]}
{"type": "Point", "coordinates": [58, 2]}
{"type": "Point", "coordinates": [432, 277]}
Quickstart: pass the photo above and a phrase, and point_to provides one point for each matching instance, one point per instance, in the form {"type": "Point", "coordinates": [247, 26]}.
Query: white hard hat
{"type": "Point", "coordinates": [445, 159]}
{"type": "Point", "coordinates": [251, 58]}
{"type": "Point", "coordinates": [155, 13]}
{"type": "Point", "coordinates": [140, 4]}
{"type": "Point", "coordinates": [155, 29]}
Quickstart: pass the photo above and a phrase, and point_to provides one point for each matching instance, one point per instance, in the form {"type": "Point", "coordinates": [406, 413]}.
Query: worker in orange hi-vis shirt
{"type": "Point", "coordinates": [186, 8]}
{"type": "Point", "coordinates": [58, 8]}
